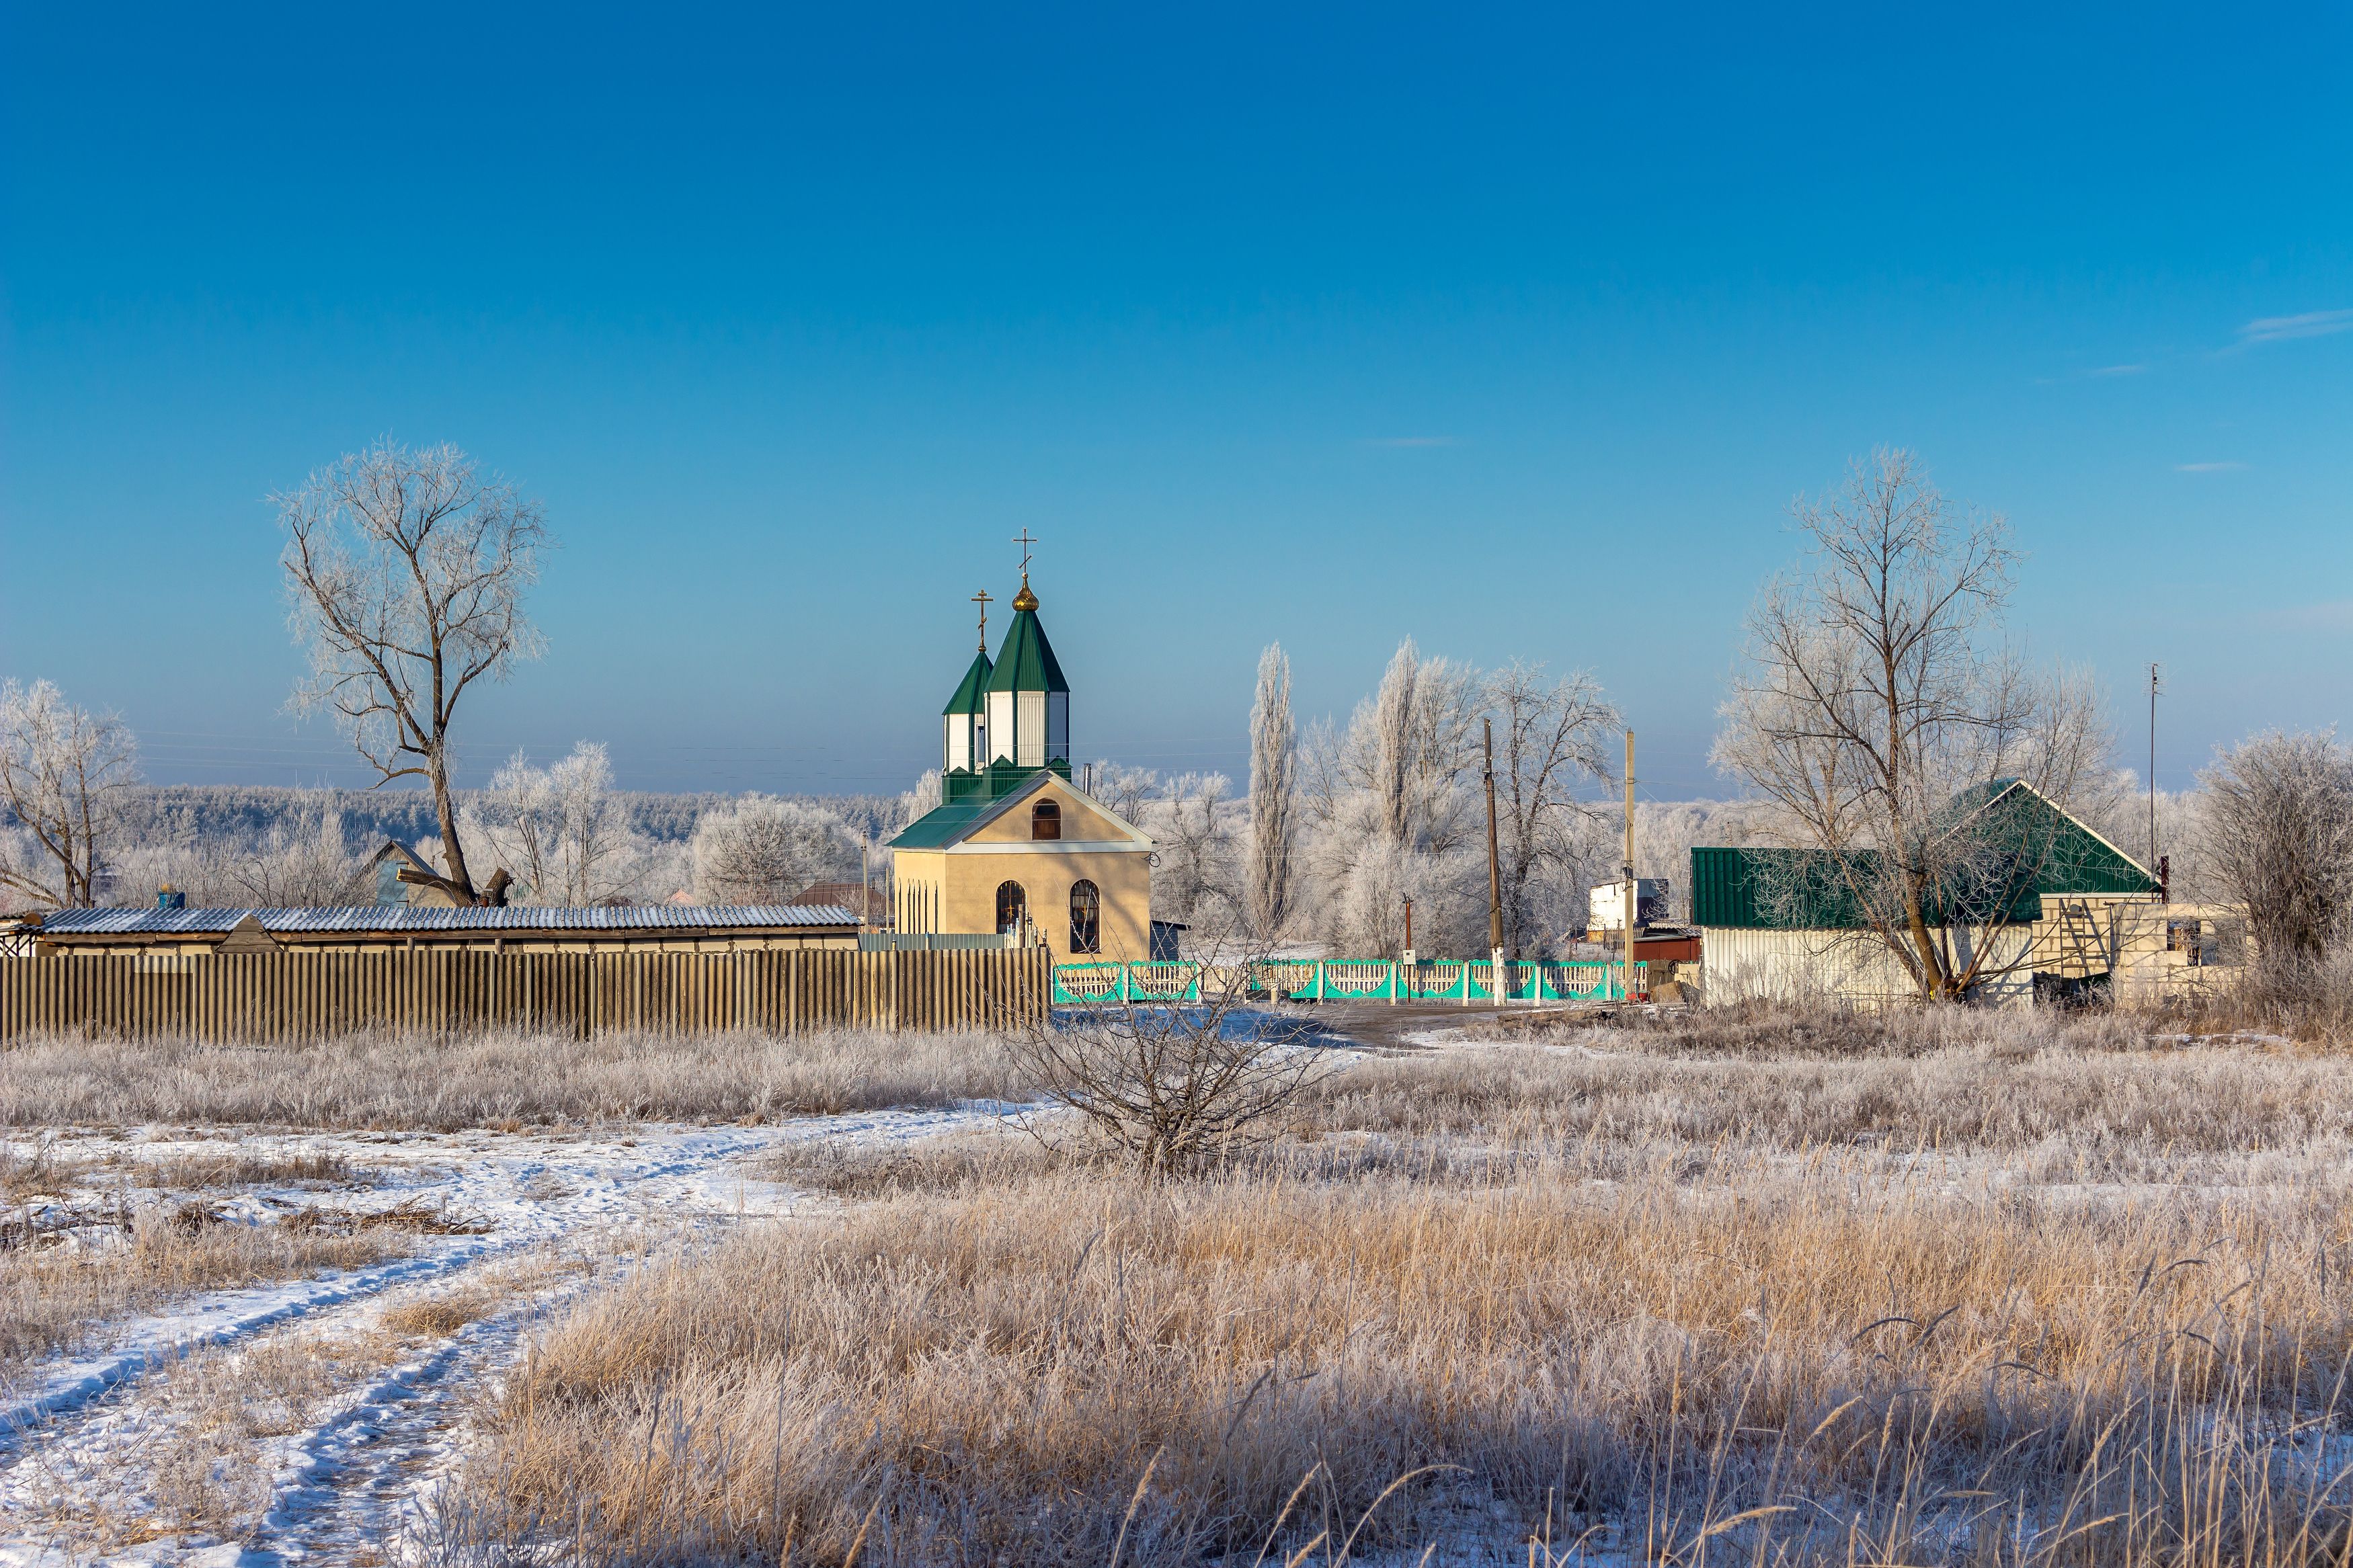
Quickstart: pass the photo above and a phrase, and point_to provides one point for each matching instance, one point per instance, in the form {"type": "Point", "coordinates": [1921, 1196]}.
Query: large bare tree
{"type": "Point", "coordinates": [407, 572]}
{"type": "Point", "coordinates": [1877, 689]}
{"type": "Point", "coordinates": [1554, 738]}
{"type": "Point", "coordinates": [63, 770]}
{"type": "Point", "coordinates": [1273, 797]}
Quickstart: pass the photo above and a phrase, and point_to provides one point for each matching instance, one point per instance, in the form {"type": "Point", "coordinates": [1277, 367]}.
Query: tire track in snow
{"type": "Point", "coordinates": [358, 1472]}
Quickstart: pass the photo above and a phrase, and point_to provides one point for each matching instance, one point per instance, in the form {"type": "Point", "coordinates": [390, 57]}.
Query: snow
{"type": "Point", "coordinates": [78, 1434]}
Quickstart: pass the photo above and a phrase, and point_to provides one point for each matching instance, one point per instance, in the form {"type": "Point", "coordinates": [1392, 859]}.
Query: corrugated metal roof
{"type": "Point", "coordinates": [2036, 849]}
{"type": "Point", "coordinates": [398, 919]}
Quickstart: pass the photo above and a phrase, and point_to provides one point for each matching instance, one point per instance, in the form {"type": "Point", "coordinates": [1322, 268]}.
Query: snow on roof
{"type": "Point", "coordinates": [402, 918]}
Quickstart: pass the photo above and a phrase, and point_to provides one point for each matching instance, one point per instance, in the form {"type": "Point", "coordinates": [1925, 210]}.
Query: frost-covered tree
{"type": "Point", "coordinates": [1193, 866]}
{"type": "Point", "coordinates": [1389, 809]}
{"type": "Point", "coordinates": [559, 829]}
{"type": "Point", "coordinates": [302, 862]}
{"type": "Point", "coordinates": [1876, 688]}
{"type": "Point", "coordinates": [1553, 739]}
{"type": "Point", "coordinates": [924, 797]}
{"type": "Point", "coordinates": [1128, 791]}
{"type": "Point", "coordinates": [63, 773]}
{"type": "Point", "coordinates": [2279, 839]}
{"type": "Point", "coordinates": [406, 570]}
{"type": "Point", "coordinates": [763, 850]}
{"type": "Point", "coordinates": [1273, 798]}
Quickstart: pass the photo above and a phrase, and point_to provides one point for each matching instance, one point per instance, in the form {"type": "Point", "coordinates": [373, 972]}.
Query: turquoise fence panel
{"type": "Point", "coordinates": [1352, 979]}
{"type": "Point", "coordinates": [1094, 984]}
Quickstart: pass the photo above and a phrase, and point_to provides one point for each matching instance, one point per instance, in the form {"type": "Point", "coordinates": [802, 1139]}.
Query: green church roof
{"type": "Point", "coordinates": [946, 823]}
{"type": "Point", "coordinates": [972, 691]}
{"type": "Point", "coordinates": [1027, 662]}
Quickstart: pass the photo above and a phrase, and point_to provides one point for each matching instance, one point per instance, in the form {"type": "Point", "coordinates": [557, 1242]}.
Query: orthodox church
{"type": "Point", "coordinates": [1015, 848]}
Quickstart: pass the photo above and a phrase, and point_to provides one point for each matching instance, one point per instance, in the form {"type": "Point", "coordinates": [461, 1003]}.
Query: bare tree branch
{"type": "Point", "coordinates": [406, 571]}
{"type": "Point", "coordinates": [1875, 691]}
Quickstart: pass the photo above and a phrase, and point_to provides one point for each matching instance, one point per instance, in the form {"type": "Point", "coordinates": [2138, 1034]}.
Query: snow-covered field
{"type": "Point", "coordinates": [308, 1421]}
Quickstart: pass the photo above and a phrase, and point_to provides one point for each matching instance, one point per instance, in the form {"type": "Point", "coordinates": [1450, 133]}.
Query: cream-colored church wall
{"type": "Point", "coordinates": [916, 879]}
{"type": "Point", "coordinates": [1083, 821]}
{"type": "Point", "coordinates": [961, 886]}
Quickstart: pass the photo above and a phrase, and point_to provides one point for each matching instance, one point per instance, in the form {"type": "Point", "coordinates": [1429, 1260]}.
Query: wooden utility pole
{"type": "Point", "coordinates": [1633, 892]}
{"type": "Point", "coordinates": [1495, 880]}
{"type": "Point", "coordinates": [1494, 869]}
{"type": "Point", "coordinates": [2152, 767]}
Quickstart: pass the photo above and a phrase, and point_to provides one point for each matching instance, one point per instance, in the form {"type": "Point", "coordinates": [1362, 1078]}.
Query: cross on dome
{"type": "Point", "coordinates": [1025, 600]}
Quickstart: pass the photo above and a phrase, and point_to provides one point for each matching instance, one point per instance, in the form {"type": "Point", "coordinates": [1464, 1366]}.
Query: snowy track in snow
{"type": "Point", "coordinates": [83, 1479]}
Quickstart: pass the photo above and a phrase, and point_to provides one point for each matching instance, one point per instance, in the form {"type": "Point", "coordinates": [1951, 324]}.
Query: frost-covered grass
{"type": "Point", "coordinates": [2053, 1110]}
{"type": "Point", "coordinates": [55, 1292]}
{"type": "Point", "coordinates": [2007, 1294]}
{"type": "Point", "coordinates": [409, 1081]}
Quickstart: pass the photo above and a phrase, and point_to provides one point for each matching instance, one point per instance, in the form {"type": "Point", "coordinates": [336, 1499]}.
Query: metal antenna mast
{"type": "Point", "coordinates": [2153, 688]}
{"type": "Point", "coordinates": [1633, 889]}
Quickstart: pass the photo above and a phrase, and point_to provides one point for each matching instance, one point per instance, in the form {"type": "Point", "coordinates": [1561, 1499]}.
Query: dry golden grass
{"type": "Point", "coordinates": [52, 1297]}
{"type": "Point", "coordinates": [2058, 1113]}
{"type": "Point", "coordinates": [501, 1079]}
{"type": "Point", "coordinates": [1641, 1293]}
{"type": "Point", "coordinates": [990, 1373]}
{"type": "Point", "coordinates": [439, 1315]}
{"type": "Point", "coordinates": [235, 1167]}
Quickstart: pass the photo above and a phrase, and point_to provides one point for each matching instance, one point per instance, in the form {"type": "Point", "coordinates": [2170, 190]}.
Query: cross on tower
{"type": "Point", "coordinates": [1025, 542]}
{"type": "Point", "coordinates": [981, 599]}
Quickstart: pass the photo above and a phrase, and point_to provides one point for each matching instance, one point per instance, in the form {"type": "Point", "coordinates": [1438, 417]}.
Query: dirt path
{"type": "Point", "coordinates": [306, 1422]}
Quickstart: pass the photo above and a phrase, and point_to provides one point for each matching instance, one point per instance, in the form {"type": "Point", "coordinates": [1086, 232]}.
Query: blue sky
{"type": "Point", "coordinates": [1511, 330]}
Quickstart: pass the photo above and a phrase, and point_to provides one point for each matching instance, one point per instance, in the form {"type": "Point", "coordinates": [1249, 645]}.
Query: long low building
{"type": "Point", "coordinates": [2073, 915]}
{"type": "Point", "coordinates": [384, 928]}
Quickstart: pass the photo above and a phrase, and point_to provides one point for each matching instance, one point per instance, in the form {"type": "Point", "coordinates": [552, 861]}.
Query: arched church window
{"type": "Point", "coordinates": [1046, 820]}
{"type": "Point", "coordinates": [1012, 904]}
{"type": "Point", "coordinates": [1086, 918]}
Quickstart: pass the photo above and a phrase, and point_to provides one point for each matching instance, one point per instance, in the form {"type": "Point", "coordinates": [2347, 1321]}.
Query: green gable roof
{"type": "Point", "coordinates": [2074, 860]}
{"type": "Point", "coordinates": [1027, 662]}
{"type": "Point", "coordinates": [995, 790]}
{"type": "Point", "coordinates": [972, 691]}
{"type": "Point", "coordinates": [943, 825]}
{"type": "Point", "coordinates": [2053, 856]}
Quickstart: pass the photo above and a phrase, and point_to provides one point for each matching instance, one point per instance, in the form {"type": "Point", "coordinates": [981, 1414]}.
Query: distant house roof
{"type": "Point", "coordinates": [845, 895]}
{"type": "Point", "coordinates": [403, 918]}
{"type": "Point", "coordinates": [2042, 852]}
{"type": "Point", "coordinates": [369, 884]}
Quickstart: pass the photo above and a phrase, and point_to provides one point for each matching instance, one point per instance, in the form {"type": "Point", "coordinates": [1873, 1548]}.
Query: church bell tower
{"type": "Point", "coordinates": [1029, 701]}
{"type": "Point", "coordinates": [963, 723]}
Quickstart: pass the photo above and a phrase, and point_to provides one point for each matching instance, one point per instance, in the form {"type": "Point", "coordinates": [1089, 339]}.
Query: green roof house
{"type": "Point", "coordinates": [2040, 890]}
